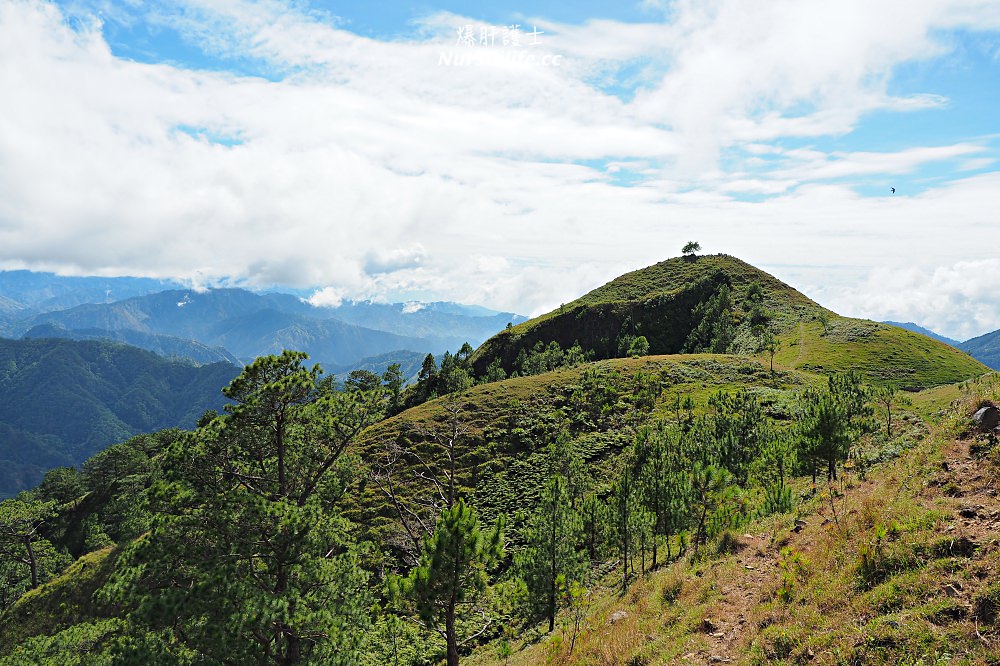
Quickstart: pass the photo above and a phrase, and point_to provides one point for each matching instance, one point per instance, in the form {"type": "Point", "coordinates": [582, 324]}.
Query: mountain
{"type": "Point", "coordinates": [63, 400]}
{"type": "Point", "coordinates": [245, 324]}
{"type": "Point", "coordinates": [444, 325]}
{"type": "Point", "coordinates": [732, 511]}
{"type": "Point", "coordinates": [691, 303]}
{"type": "Point", "coordinates": [916, 328]}
{"type": "Point", "coordinates": [985, 348]}
{"type": "Point", "coordinates": [164, 345]}
{"type": "Point", "coordinates": [40, 292]}
{"type": "Point", "coordinates": [409, 365]}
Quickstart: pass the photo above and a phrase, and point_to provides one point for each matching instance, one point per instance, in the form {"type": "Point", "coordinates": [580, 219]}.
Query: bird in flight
{"type": "Point", "coordinates": [893, 189]}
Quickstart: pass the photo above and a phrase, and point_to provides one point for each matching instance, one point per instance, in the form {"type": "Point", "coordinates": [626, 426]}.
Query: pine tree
{"type": "Point", "coordinates": [551, 559]}
{"type": "Point", "coordinates": [824, 428]}
{"type": "Point", "coordinates": [452, 573]}
{"type": "Point", "coordinates": [26, 557]}
{"type": "Point", "coordinates": [250, 561]}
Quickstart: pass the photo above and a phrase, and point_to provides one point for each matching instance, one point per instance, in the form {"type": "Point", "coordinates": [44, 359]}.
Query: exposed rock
{"type": "Point", "coordinates": [617, 616]}
{"type": "Point", "coordinates": [708, 626]}
{"type": "Point", "coordinates": [986, 418]}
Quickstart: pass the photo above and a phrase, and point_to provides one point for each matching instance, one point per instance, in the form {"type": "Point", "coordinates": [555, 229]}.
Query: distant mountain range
{"type": "Point", "coordinates": [234, 325]}
{"type": "Point", "coordinates": [27, 292]}
{"type": "Point", "coordinates": [986, 348]}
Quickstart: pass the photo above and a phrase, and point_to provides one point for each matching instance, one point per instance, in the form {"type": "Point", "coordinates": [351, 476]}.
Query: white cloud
{"type": "Point", "coordinates": [327, 297]}
{"type": "Point", "coordinates": [960, 300]}
{"type": "Point", "coordinates": [364, 168]}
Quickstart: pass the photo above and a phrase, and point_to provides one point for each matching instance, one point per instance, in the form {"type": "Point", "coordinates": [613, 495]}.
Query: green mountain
{"type": "Point", "coordinates": [715, 303]}
{"type": "Point", "coordinates": [167, 346]}
{"type": "Point", "coordinates": [61, 401]}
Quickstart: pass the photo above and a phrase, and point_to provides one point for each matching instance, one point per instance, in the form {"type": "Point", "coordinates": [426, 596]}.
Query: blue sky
{"type": "Point", "coordinates": [374, 150]}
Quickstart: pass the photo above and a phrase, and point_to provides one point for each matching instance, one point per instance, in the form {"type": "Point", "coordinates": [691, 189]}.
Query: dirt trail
{"type": "Point", "coordinates": [969, 490]}
{"type": "Point", "coordinates": [756, 572]}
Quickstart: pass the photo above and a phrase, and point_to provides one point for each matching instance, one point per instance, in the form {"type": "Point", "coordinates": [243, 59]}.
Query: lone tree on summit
{"type": "Point", "coordinates": [691, 248]}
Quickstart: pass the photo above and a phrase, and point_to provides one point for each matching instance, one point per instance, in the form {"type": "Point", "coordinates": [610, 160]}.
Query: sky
{"type": "Point", "coordinates": [513, 155]}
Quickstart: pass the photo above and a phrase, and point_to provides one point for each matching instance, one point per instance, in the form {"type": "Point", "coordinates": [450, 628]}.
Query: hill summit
{"type": "Point", "coordinates": [720, 304]}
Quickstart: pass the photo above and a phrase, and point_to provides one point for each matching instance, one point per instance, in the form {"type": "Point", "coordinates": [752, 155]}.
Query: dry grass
{"type": "Point", "coordinates": [927, 596]}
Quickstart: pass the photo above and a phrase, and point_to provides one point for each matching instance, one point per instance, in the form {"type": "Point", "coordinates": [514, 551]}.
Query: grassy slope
{"type": "Point", "coordinates": [509, 424]}
{"type": "Point", "coordinates": [900, 568]}
{"type": "Point", "coordinates": [657, 300]}
{"type": "Point", "coordinates": [60, 603]}
{"type": "Point", "coordinates": [880, 352]}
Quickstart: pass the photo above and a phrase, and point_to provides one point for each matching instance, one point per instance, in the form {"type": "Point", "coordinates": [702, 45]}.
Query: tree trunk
{"type": "Point", "coordinates": [32, 561]}
{"type": "Point", "coordinates": [451, 633]}
{"type": "Point", "coordinates": [553, 566]}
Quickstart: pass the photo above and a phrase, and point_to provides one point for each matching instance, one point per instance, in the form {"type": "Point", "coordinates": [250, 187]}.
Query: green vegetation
{"type": "Point", "coordinates": [66, 400]}
{"type": "Point", "coordinates": [764, 510]}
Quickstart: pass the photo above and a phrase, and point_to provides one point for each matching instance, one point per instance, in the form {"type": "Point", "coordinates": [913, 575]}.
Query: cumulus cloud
{"type": "Point", "coordinates": [960, 300]}
{"type": "Point", "coordinates": [359, 168]}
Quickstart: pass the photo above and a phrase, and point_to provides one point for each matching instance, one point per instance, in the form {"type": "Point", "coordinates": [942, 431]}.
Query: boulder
{"type": "Point", "coordinates": [986, 418]}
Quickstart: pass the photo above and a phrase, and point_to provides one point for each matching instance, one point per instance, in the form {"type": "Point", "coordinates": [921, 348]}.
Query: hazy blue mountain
{"type": "Point", "coordinates": [167, 346]}
{"type": "Point", "coordinates": [249, 324]}
{"type": "Point", "coordinates": [244, 323]}
{"type": "Point", "coordinates": [916, 328]}
{"type": "Point", "coordinates": [327, 341]}
{"type": "Point", "coordinates": [447, 325]}
{"type": "Point", "coordinates": [41, 292]}
{"type": "Point", "coordinates": [63, 400]}
{"type": "Point", "coordinates": [985, 348]}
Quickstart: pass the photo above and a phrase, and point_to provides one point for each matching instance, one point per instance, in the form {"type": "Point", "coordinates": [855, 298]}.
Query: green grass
{"type": "Point", "coordinates": [60, 603]}
{"type": "Point", "coordinates": [883, 354]}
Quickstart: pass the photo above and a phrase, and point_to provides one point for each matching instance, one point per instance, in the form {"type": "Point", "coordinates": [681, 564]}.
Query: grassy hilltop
{"type": "Point", "coordinates": [659, 302]}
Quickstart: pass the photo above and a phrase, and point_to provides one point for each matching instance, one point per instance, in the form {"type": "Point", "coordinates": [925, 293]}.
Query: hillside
{"type": "Point", "coordinates": [986, 348]}
{"type": "Point", "coordinates": [897, 566]}
{"type": "Point", "coordinates": [506, 426]}
{"type": "Point", "coordinates": [860, 577]}
{"type": "Point", "coordinates": [694, 491]}
{"type": "Point", "coordinates": [61, 401]}
{"type": "Point", "coordinates": [691, 303]}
